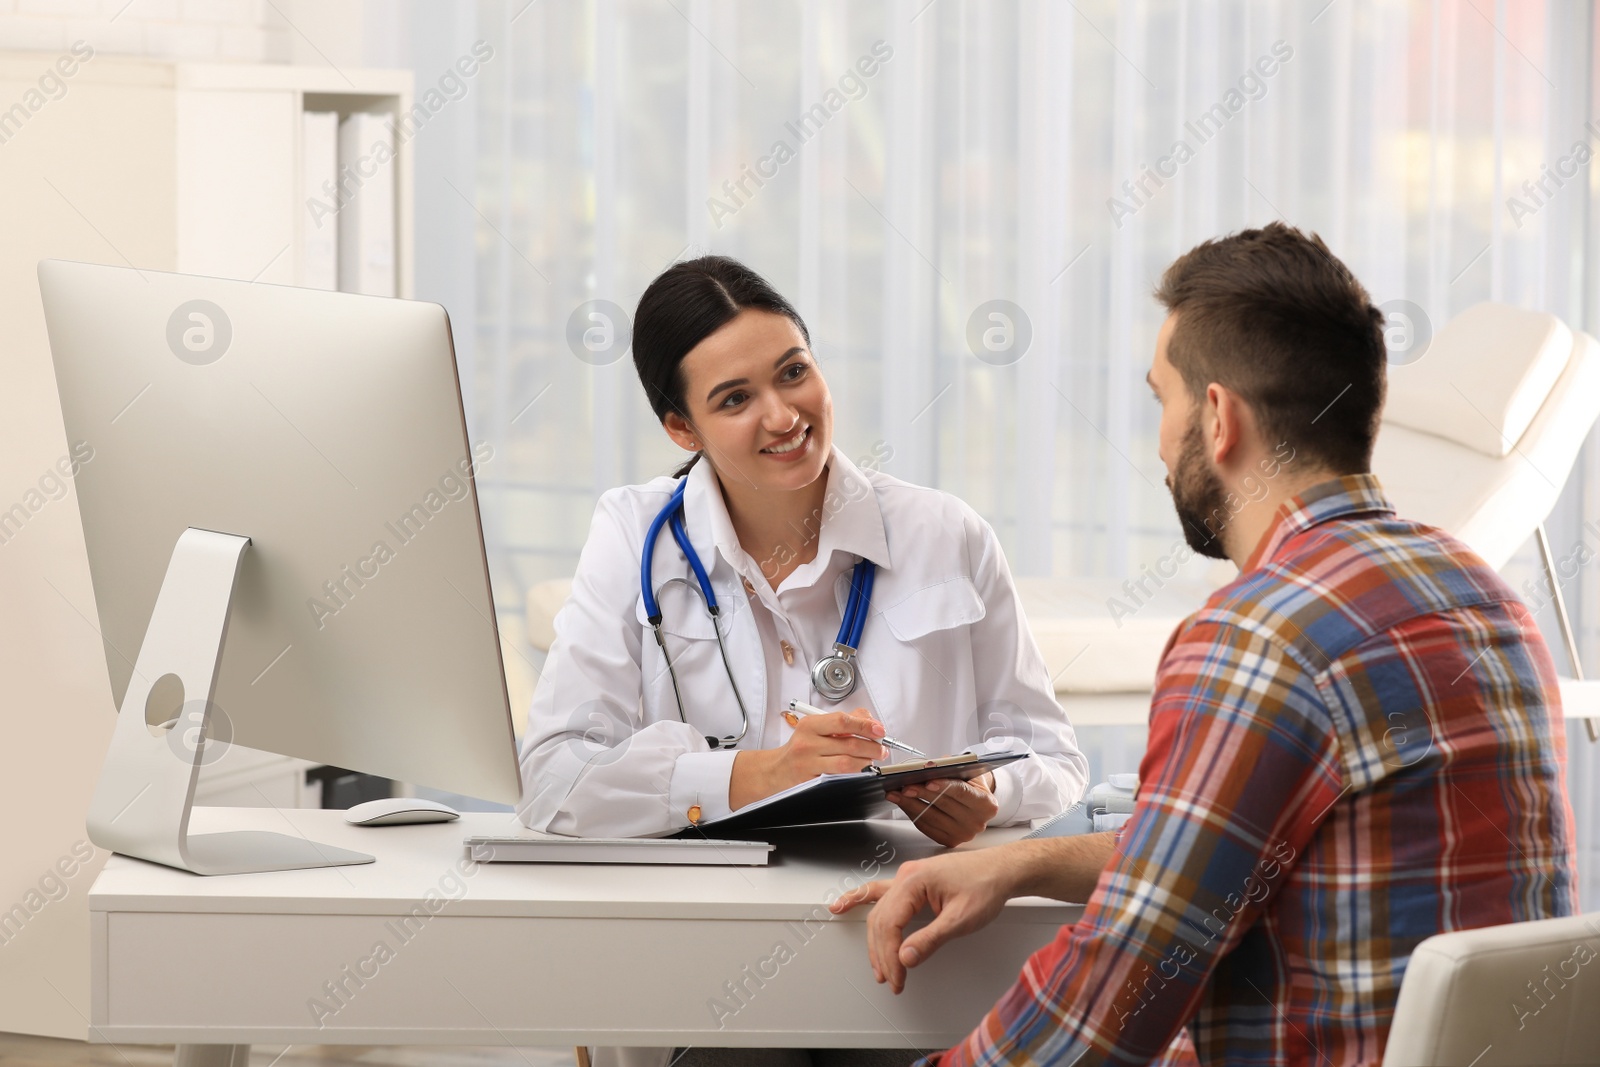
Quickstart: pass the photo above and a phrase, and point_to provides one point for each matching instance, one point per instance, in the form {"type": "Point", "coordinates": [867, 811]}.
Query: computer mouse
{"type": "Point", "coordinates": [399, 811]}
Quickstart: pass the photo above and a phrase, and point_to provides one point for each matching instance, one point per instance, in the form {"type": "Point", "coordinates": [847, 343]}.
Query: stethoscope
{"type": "Point", "coordinates": [833, 676]}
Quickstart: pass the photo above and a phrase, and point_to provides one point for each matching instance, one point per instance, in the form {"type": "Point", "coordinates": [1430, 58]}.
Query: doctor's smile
{"type": "Point", "coordinates": [786, 449]}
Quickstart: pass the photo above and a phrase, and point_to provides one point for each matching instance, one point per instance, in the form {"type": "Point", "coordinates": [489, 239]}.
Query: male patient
{"type": "Point", "coordinates": [1354, 745]}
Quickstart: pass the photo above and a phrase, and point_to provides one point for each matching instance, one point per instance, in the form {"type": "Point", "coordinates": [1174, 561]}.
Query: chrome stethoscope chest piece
{"type": "Point", "coordinates": [834, 676]}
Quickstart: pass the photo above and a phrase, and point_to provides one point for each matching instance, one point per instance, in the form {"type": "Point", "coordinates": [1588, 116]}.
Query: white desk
{"type": "Point", "coordinates": [527, 954]}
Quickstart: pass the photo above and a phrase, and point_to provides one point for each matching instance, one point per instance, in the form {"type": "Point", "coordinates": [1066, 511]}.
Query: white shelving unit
{"type": "Point", "coordinates": [239, 164]}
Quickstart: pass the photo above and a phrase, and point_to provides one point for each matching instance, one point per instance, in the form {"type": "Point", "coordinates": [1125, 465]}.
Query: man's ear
{"type": "Point", "coordinates": [682, 433]}
{"type": "Point", "coordinates": [1227, 420]}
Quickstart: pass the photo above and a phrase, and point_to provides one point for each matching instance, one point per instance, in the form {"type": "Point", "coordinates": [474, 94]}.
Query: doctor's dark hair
{"type": "Point", "coordinates": [1274, 316]}
{"type": "Point", "coordinates": [687, 303]}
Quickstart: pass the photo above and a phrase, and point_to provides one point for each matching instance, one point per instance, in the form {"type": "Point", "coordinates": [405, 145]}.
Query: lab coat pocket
{"type": "Point", "coordinates": [935, 608]}
{"type": "Point", "coordinates": [927, 698]}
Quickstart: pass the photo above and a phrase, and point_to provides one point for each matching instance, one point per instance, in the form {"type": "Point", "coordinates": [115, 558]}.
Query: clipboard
{"type": "Point", "coordinates": [847, 797]}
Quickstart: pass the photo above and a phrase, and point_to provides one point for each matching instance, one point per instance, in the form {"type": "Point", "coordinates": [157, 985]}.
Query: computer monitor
{"type": "Point", "coordinates": [278, 500]}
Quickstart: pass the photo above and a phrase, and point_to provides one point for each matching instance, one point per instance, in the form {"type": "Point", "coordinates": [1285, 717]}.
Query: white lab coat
{"type": "Point", "coordinates": [946, 661]}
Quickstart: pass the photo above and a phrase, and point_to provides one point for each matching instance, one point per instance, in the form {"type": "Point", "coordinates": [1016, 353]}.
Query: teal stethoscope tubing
{"type": "Point", "coordinates": [834, 674]}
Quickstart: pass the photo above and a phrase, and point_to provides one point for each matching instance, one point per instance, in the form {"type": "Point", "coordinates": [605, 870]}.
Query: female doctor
{"type": "Point", "coordinates": [888, 605]}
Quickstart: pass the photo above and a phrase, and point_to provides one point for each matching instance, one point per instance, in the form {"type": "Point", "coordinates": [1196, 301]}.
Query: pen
{"type": "Point", "coordinates": [798, 708]}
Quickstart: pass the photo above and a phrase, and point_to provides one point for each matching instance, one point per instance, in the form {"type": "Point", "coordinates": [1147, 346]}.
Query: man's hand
{"type": "Point", "coordinates": [951, 812]}
{"type": "Point", "coordinates": [965, 890]}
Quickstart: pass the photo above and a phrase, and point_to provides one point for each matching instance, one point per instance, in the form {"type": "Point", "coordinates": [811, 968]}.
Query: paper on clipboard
{"type": "Point", "coordinates": [846, 797]}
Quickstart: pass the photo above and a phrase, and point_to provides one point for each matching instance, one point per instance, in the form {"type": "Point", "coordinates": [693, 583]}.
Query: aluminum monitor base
{"type": "Point", "coordinates": [145, 793]}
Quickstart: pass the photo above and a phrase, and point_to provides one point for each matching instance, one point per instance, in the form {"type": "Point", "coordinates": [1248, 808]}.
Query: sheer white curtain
{"type": "Point", "coordinates": [897, 167]}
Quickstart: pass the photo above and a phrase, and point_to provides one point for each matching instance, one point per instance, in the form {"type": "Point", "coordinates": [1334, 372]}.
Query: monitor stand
{"type": "Point", "coordinates": [142, 802]}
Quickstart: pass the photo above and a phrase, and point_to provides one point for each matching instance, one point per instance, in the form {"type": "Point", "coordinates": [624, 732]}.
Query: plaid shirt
{"type": "Point", "coordinates": [1356, 744]}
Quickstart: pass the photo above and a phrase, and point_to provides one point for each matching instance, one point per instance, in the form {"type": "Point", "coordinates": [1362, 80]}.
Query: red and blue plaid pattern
{"type": "Point", "coordinates": [1355, 745]}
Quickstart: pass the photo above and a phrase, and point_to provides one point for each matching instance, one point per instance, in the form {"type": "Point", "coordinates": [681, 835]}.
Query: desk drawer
{"type": "Point", "coordinates": [455, 979]}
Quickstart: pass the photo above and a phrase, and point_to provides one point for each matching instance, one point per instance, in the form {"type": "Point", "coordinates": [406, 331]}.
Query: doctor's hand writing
{"type": "Point", "coordinates": [965, 891]}
{"type": "Point", "coordinates": [820, 744]}
{"type": "Point", "coordinates": [950, 812]}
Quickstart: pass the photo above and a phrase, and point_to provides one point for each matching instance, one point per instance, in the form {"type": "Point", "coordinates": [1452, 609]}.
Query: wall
{"type": "Point", "coordinates": [302, 32]}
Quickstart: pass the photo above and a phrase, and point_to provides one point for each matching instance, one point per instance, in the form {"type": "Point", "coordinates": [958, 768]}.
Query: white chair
{"type": "Point", "coordinates": [1515, 995]}
{"type": "Point", "coordinates": [1478, 436]}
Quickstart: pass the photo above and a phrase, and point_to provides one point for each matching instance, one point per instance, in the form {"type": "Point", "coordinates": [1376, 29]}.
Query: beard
{"type": "Point", "coordinates": [1197, 494]}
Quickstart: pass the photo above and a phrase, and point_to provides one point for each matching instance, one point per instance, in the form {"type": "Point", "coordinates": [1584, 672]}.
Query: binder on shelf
{"type": "Point", "coordinates": [319, 199]}
{"type": "Point", "coordinates": [366, 219]}
{"type": "Point", "coordinates": [846, 797]}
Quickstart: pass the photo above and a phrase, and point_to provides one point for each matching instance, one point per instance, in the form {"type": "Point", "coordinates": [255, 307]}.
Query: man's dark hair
{"type": "Point", "coordinates": [1272, 315]}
